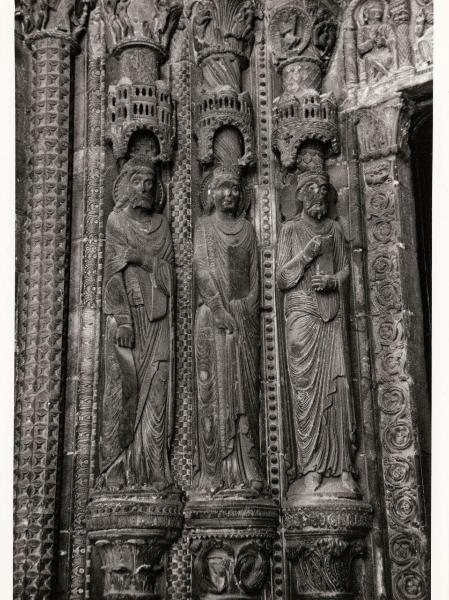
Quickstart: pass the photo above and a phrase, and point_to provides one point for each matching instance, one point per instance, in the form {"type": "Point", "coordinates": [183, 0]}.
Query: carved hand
{"type": "Point", "coordinates": [223, 320]}
{"type": "Point", "coordinates": [324, 283]}
{"type": "Point", "coordinates": [125, 336]}
{"type": "Point", "coordinates": [313, 248]}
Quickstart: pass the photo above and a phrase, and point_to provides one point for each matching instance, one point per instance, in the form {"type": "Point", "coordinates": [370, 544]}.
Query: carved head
{"type": "Point", "coordinates": [135, 185]}
{"type": "Point", "coordinates": [373, 12]}
{"type": "Point", "coordinates": [225, 190]}
{"type": "Point", "coordinates": [312, 192]}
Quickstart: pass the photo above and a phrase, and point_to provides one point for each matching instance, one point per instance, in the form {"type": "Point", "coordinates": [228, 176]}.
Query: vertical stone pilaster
{"type": "Point", "coordinates": [91, 267]}
{"type": "Point", "coordinates": [182, 232]}
{"type": "Point", "coordinates": [266, 218]}
{"type": "Point", "coordinates": [40, 389]}
{"type": "Point", "coordinates": [394, 321]}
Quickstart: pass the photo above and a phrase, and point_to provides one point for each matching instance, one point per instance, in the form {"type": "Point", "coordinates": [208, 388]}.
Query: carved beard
{"type": "Point", "coordinates": [142, 202]}
{"type": "Point", "coordinates": [317, 211]}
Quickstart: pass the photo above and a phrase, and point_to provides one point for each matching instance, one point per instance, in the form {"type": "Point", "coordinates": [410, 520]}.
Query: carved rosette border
{"type": "Point", "coordinates": [390, 323]}
{"type": "Point", "coordinates": [90, 314]}
{"type": "Point", "coordinates": [40, 373]}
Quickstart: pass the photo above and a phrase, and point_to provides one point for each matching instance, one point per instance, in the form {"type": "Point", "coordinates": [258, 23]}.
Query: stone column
{"type": "Point", "coordinates": [396, 327]}
{"type": "Point", "coordinates": [400, 11]}
{"type": "Point", "coordinates": [132, 526]}
{"type": "Point", "coordinates": [42, 322]}
{"type": "Point", "coordinates": [324, 525]}
{"type": "Point", "coordinates": [231, 530]}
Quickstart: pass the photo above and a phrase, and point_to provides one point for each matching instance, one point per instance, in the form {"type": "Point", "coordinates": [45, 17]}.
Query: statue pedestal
{"type": "Point", "coordinates": [231, 540]}
{"type": "Point", "coordinates": [131, 534]}
{"type": "Point", "coordinates": [324, 535]}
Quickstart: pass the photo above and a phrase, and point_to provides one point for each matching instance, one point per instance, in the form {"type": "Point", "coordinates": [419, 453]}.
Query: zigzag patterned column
{"type": "Point", "coordinates": [40, 389]}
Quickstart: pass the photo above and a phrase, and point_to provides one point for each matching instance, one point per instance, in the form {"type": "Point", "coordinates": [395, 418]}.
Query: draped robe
{"type": "Point", "coordinates": [227, 365]}
{"type": "Point", "coordinates": [137, 421]}
{"type": "Point", "coordinates": [317, 356]}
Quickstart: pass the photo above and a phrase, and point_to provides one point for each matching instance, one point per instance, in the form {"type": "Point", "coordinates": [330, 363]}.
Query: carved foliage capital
{"type": "Point", "coordinates": [323, 565]}
{"type": "Point", "coordinates": [132, 563]}
{"type": "Point", "coordinates": [383, 130]}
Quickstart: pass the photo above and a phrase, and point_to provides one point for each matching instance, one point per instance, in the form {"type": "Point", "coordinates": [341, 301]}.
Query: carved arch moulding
{"type": "Point", "coordinates": [220, 389]}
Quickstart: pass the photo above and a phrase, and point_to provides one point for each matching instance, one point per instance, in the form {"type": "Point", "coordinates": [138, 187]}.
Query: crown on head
{"type": "Point", "coordinates": [139, 161]}
{"type": "Point", "coordinates": [308, 177]}
{"type": "Point", "coordinates": [222, 171]}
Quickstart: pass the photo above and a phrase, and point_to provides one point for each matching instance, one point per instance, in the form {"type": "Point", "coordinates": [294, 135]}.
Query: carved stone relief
{"type": "Point", "coordinates": [313, 270]}
{"type": "Point", "coordinates": [375, 42]}
{"type": "Point", "coordinates": [390, 323]}
{"type": "Point", "coordinates": [138, 403]}
{"type": "Point", "coordinates": [216, 439]}
{"type": "Point", "coordinates": [227, 343]}
{"type": "Point", "coordinates": [52, 37]}
{"type": "Point", "coordinates": [424, 34]}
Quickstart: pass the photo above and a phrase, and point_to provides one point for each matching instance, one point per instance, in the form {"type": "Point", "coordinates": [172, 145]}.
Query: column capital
{"type": "Point", "coordinates": [64, 20]}
{"type": "Point", "coordinates": [382, 129]}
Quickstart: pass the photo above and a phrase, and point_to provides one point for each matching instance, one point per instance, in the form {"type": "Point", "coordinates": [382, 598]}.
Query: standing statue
{"type": "Point", "coordinates": [312, 270]}
{"type": "Point", "coordinates": [227, 344]}
{"type": "Point", "coordinates": [375, 42]}
{"type": "Point", "coordinates": [138, 303]}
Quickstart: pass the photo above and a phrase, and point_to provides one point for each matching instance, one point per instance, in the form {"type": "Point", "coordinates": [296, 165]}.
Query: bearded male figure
{"type": "Point", "coordinates": [227, 344]}
{"type": "Point", "coordinates": [138, 302]}
{"type": "Point", "coordinates": [312, 270]}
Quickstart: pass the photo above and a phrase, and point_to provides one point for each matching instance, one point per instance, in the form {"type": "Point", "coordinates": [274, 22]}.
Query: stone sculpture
{"type": "Point", "coordinates": [227, 343]}
{"type": "Point", "coordinates": [375, 42]}
{"type": "Point", "coordinates": [138, 297]}
{"type": "Point", "coordinates": [312, 270]}
{"type": "Point", "coordinates": [424, 33]}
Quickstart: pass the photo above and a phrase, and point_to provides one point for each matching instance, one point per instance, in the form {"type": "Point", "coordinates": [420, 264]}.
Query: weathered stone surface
{"type": "Point", "coordinates": [221, 387]}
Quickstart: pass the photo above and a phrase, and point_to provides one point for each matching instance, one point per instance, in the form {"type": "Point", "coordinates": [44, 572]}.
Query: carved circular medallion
{"type": "Point", "coordinates": [392, 399]}
{"type": "Point", "coordinates": [383, 231]}
{"type": "Point", "coordinates": [388, 331]}
{"type": "Point", "coordinates": [404, 548]}
{"type": "Point", "coordinates": [382, 266]}
{"type": "Point", "coordinates": [393, 363]}
{"type": "Point", "coordinates": [404, 506]}
{"type": "Point", "coordinates": [398, 436]}
{"type": "Point", "coordinates": [290, 32]}
{"type": "Point", "coordinates": [387, 295]}
{"type": "Point", "coordinates": [379, 203]}
{"type": "Point", "coordinates": [397, 472]}
{"type": "Point", "coordinates": [410, 585]}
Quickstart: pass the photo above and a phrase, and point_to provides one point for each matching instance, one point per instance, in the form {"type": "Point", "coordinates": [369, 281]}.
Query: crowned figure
{"type": "Point", "coordinates": [312, 271]}
{"type": "Point", "coordinates": [138, 400]}
{"type": "Point", "coordinates": [226, 342]}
